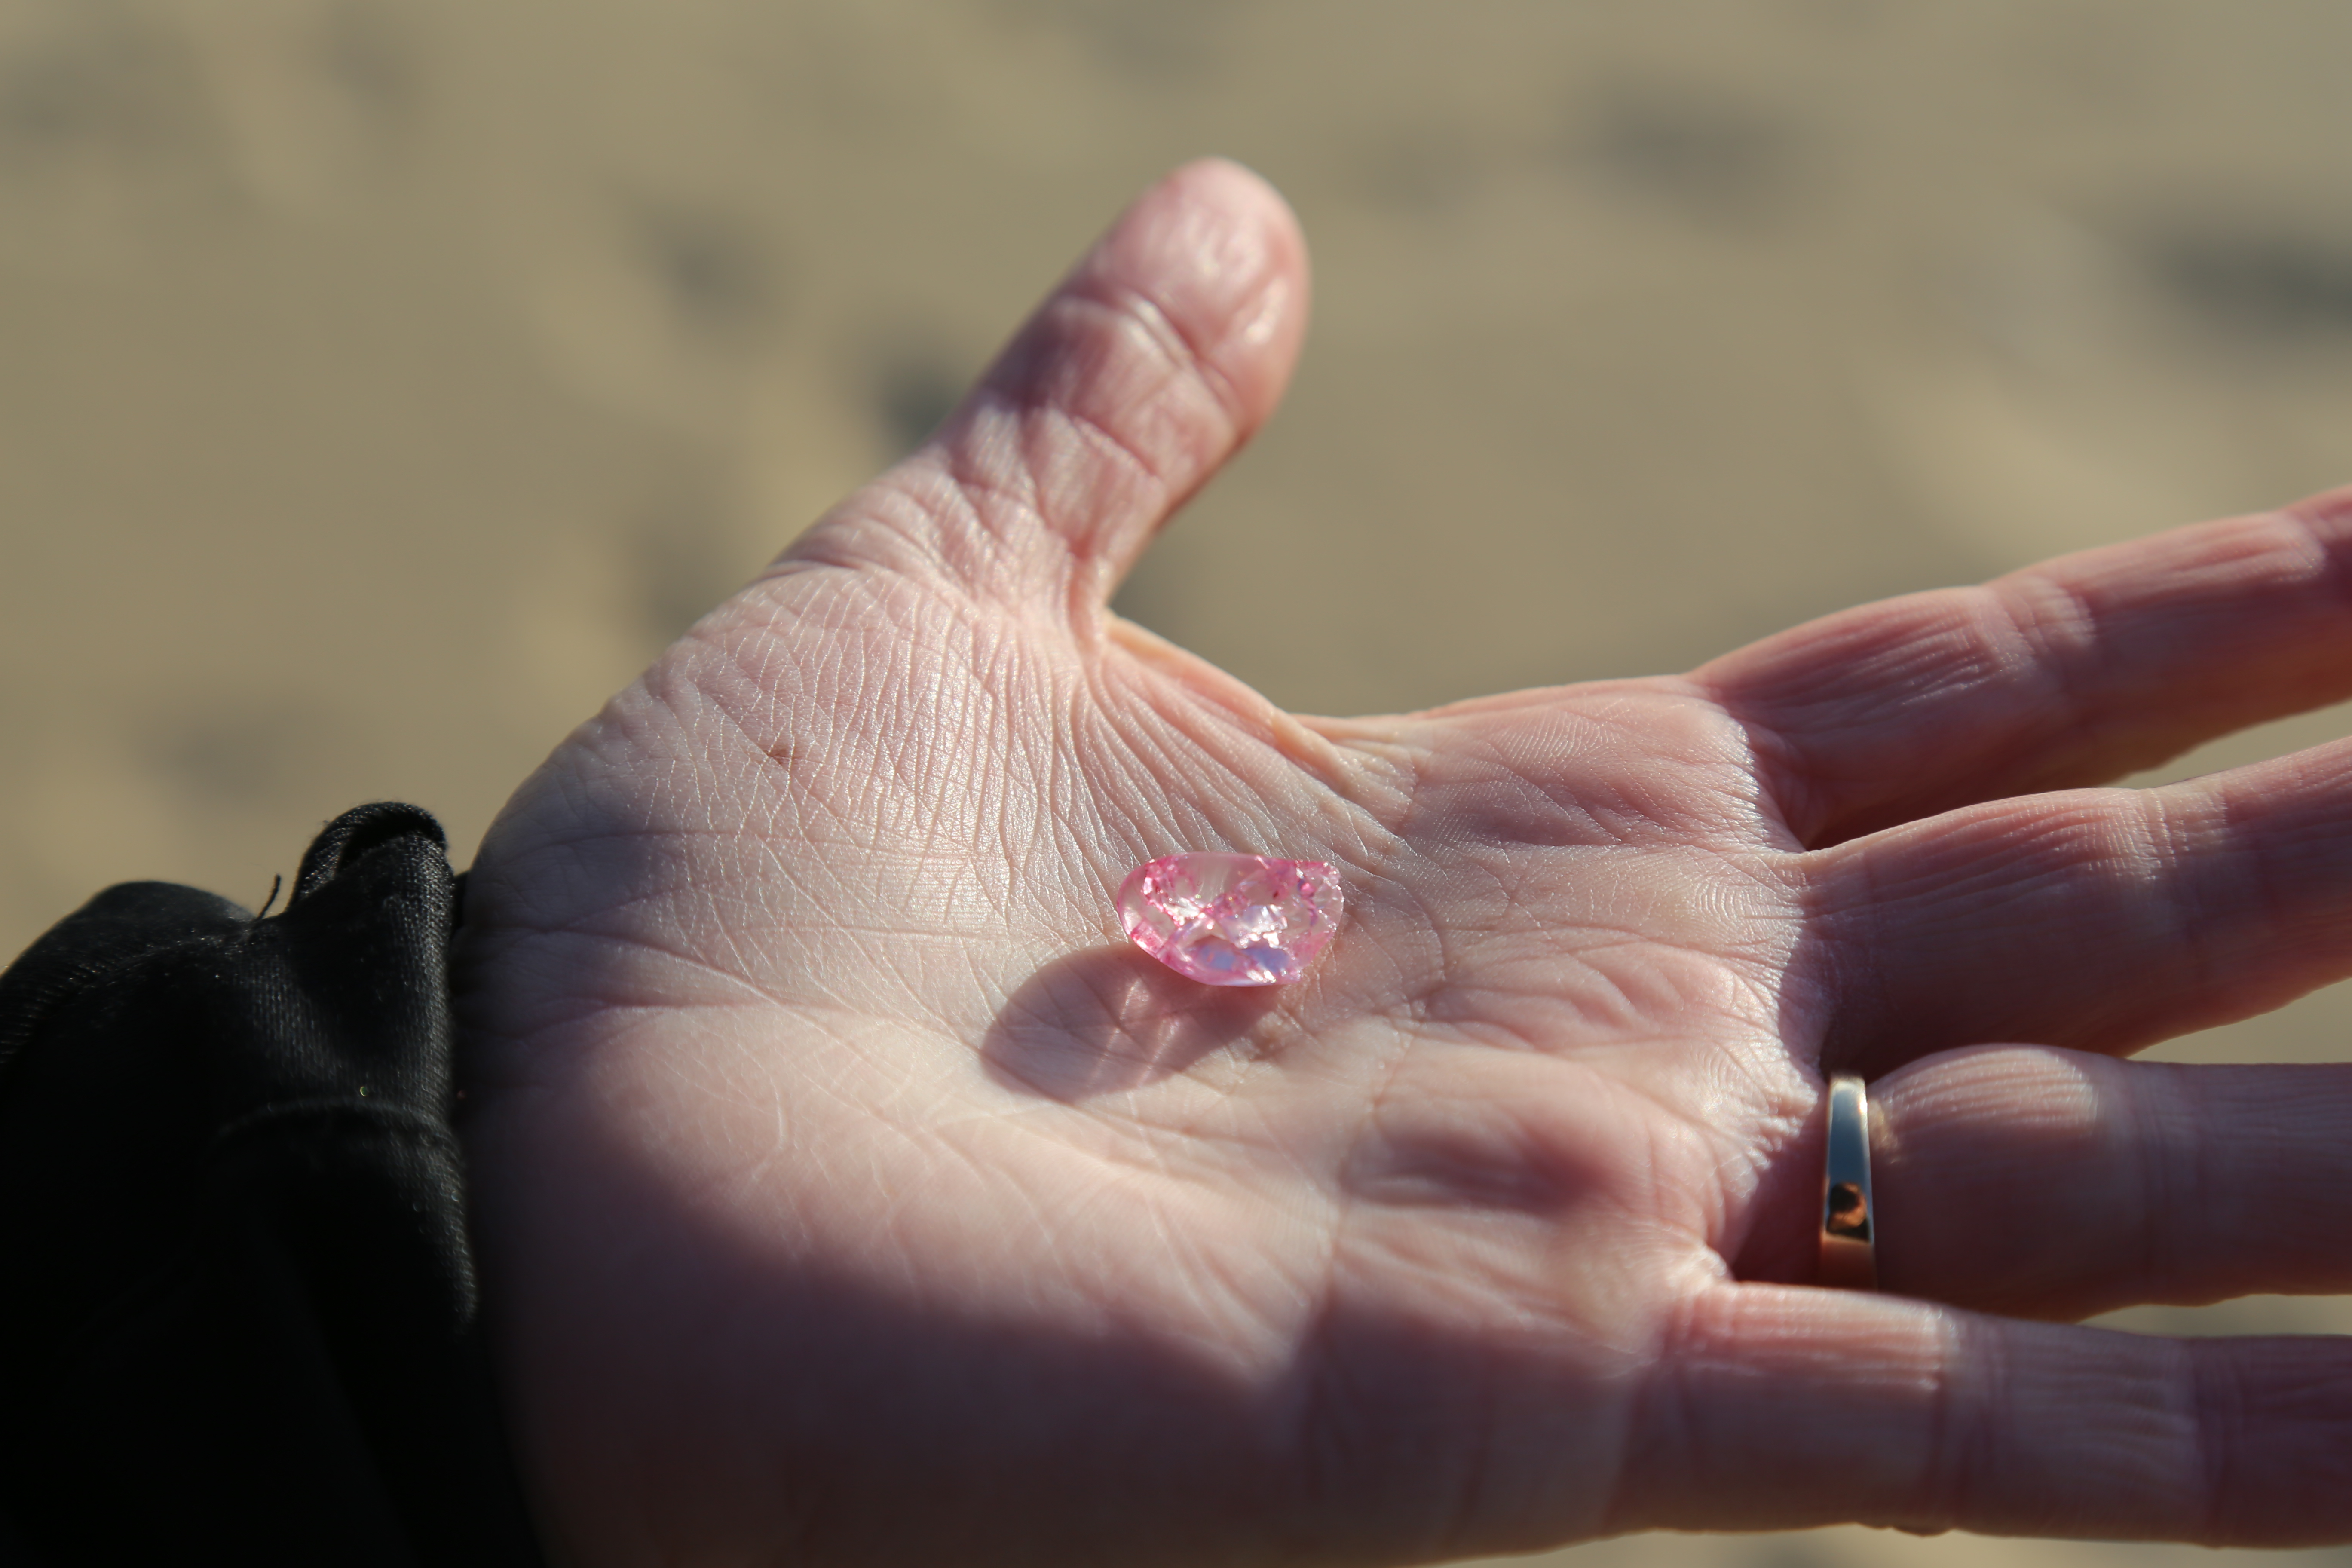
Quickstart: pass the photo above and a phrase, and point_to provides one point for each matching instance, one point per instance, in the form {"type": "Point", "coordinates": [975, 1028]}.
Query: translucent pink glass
{"type": "Point", "coordinates": [1232, 920]}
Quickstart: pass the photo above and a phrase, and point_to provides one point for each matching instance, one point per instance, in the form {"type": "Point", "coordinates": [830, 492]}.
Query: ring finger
{"type": "Point", "coordinates": [2047, 1183]}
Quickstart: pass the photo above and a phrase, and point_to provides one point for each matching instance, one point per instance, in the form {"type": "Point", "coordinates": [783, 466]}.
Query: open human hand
{"type": "Point", "coordinates": [849, 1193]}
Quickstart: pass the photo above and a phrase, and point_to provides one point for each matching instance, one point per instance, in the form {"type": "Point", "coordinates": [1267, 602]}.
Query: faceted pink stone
{"type": "Point", "coordinates": [1232, 920]}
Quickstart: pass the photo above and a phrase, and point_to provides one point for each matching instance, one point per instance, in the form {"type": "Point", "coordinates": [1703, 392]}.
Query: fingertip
{"type": "Point", "coordinates": [1218, 254]}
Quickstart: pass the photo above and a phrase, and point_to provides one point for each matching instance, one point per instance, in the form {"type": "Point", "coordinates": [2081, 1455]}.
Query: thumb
{"type": "Point", "coordinates": [1150, 364]}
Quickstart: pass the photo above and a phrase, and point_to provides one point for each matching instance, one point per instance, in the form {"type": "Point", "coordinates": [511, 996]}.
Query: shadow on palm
{"type": "Point", "coordinates": [1107, 1019]}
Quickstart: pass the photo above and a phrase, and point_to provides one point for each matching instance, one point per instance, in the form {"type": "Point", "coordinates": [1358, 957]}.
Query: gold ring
{"type": "Point", "coordinates": [1849, 1228]}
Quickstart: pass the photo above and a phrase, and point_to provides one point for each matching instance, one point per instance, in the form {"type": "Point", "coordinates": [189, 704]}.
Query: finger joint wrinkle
{"type": "Point", "coordinates": [2323, 535]}
{"type": "Point", "coordinates": [2059, 633]}
{"type": "Point", "coordinates": [1169, 334]}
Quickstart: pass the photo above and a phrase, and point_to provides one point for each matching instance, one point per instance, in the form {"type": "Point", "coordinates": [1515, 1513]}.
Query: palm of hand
{"type": "Point", "coordinates": [849, 1185]}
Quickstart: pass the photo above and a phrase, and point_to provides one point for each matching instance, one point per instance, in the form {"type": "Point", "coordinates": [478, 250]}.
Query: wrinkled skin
{"type": "Point", "coordinates": [849, 1193]}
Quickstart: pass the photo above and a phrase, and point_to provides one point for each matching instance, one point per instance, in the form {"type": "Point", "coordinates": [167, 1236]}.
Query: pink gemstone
{"type": "Point", "coordinates": [1232, 920]}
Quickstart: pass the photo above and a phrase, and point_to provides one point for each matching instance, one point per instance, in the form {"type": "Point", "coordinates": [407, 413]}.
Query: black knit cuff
{"type": "Point", "coordinates": [237, 1306]}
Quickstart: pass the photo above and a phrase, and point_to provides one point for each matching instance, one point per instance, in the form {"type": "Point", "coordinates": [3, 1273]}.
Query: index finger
{"type": "Point", "coordinates": [2072, 672]}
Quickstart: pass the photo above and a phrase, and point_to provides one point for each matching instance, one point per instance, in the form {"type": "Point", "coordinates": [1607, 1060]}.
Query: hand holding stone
{"type": "Point", "coordinates": [851, 1193]}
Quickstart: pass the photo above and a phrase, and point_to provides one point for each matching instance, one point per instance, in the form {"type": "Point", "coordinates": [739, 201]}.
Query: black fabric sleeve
{"type": "Point", "coordinates": [237, 1306]}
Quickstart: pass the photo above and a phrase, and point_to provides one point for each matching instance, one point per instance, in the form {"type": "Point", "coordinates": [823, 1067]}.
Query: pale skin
{"type": "Point", "coordinates": [849, 1194]}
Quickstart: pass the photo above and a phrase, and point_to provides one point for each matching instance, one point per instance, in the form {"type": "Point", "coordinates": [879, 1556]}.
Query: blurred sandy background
{"type": "Point", "coordinates": [382, 382]}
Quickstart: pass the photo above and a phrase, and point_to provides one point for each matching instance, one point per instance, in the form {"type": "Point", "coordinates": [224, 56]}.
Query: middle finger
{"type": "Point", "coordinates": [2098, 920]}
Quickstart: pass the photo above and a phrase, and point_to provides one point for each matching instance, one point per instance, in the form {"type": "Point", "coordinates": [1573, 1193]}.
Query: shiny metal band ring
{"type": "Point", "coordinates": [1849, 1219]}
